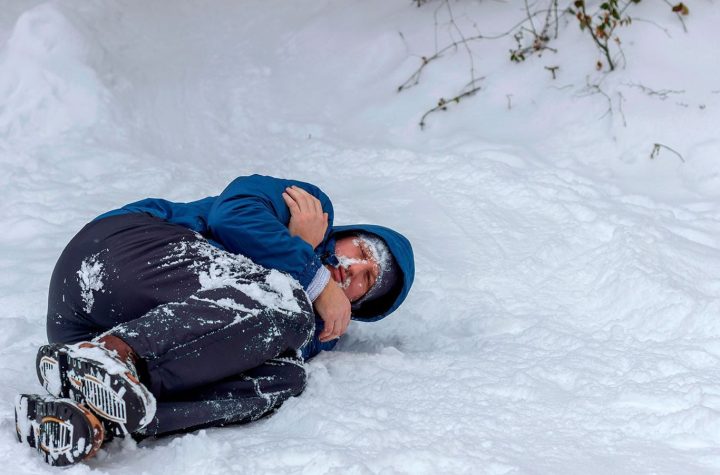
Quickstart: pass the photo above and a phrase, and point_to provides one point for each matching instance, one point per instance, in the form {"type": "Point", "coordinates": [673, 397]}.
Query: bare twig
{"type": "Point", "coordinates": [537, 25]}
{"type": "Point", "coordinates": [663, 29]}
{"type": "Point", "coordinates": [562, 88]}
{"type": "Point", "coordinates": [596, 89]}
{"type": "Point", "coordinates": [414, 78]}
{"type": "Point", "coordinates": [662, 93]}
{"type": "Point", "coordinates": [678, 14]}
{"type": "Point", "coordinates": [405, 43]}
{"type": "Point", "coordinates": [540, 39]}
{"type": "Point", "coordinates": [463, 40]}
{"type": "Point", "coordinates": [529, 15]}
{"type": "Point", "coordinates": [621, 51]}
{"type": "Point", "coordinates": [435, 29]}
{"type": "Point", "coordinates": [620, 101]}
{"type": "Point", "coordinates": [656, 151]}
{"type": "Point", "coordinates": [470, 89]}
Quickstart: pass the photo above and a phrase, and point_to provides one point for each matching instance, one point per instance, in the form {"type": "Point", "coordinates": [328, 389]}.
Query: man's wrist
{"type": "Point", "coordinates": [319, 283]}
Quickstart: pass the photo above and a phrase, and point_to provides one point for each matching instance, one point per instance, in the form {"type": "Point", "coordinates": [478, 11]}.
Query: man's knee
{"type": "Point", "coordinates": [290, 375]}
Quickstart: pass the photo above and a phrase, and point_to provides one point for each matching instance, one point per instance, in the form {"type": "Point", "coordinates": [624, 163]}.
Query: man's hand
{"type": "Point", "coordinates": [307, 219]}
{"type": "Point", "coordinates": [334, 308]}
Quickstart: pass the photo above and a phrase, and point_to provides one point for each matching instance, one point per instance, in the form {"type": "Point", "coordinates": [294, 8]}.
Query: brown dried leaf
{"type": "Point", "coordinates": [681, 9]}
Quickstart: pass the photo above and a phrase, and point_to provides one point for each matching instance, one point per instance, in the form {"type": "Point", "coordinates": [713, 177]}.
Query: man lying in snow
{"type": "Point", "coordinates": [169, 317]}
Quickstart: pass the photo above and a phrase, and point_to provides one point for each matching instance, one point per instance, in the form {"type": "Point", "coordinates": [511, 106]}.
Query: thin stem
{"type": "Point", "coordinates": [656, 151]}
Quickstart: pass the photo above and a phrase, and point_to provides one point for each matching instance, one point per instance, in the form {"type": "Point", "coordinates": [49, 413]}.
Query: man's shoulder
{"type": "Point", "coordinates": [271, 185]}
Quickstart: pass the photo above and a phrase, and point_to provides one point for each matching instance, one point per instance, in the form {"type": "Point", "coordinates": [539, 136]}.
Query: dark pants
{"type": "Point", "coordinates": [217, 335]}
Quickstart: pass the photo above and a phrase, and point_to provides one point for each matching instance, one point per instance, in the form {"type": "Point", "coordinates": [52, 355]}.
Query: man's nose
{"type": "Point", "coordinates": [355, 267]}
{"type": "Point", "coordinates": [358, 267]}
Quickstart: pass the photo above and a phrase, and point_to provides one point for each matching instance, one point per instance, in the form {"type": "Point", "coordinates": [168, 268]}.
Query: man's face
{"type": "Point", "coordinates": [358, 268]}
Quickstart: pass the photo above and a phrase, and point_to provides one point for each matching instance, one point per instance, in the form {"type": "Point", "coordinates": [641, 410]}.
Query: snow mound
{"type": "Point", "coordinates": [47, 85]}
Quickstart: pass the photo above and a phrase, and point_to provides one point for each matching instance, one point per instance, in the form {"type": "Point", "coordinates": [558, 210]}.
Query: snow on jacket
{"type": "Point", "coordinates": [251, 218]}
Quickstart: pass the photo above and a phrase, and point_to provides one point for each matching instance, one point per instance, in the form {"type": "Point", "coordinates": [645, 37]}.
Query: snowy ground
{"type": "Point", "coordinates": [566, 311]}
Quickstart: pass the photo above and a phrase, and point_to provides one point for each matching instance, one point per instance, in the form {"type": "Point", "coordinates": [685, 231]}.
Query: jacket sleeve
{"type": "Point", "coordinates": [251, 218]}
{"type": "Point", "coordinates": [315, 346]}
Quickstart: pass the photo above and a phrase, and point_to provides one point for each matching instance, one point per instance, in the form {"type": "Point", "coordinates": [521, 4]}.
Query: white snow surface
{"type": "Point", "coordinates": [565, 316]}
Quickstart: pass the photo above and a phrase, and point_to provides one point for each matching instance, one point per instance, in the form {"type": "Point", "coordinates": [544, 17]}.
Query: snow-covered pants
{"type": "Point", "coordinates": [217, 334]}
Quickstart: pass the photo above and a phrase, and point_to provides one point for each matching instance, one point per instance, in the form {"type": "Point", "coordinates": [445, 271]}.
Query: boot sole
{"type": "Point", "coordinates": [61, 430]}
{"type": "Point", "coordinates": [91, 376]}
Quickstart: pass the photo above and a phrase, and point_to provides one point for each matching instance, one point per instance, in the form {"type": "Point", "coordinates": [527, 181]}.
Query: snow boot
{"type": "Point", "coordinates": [63, 431]}
{"type": "Point", "coordinates": [96, 377]}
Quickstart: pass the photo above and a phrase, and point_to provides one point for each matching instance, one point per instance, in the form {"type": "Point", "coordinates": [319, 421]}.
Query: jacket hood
{"type": "Point", "coordinates": [402, 252]}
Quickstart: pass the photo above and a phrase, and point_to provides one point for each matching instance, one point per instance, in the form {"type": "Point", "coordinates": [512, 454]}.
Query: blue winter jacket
{"type": "Point", "coordinates": [251, 218]}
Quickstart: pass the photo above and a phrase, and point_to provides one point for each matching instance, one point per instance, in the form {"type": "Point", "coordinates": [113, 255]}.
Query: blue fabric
{"type": "Point", "coordinates": [250, 218]}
